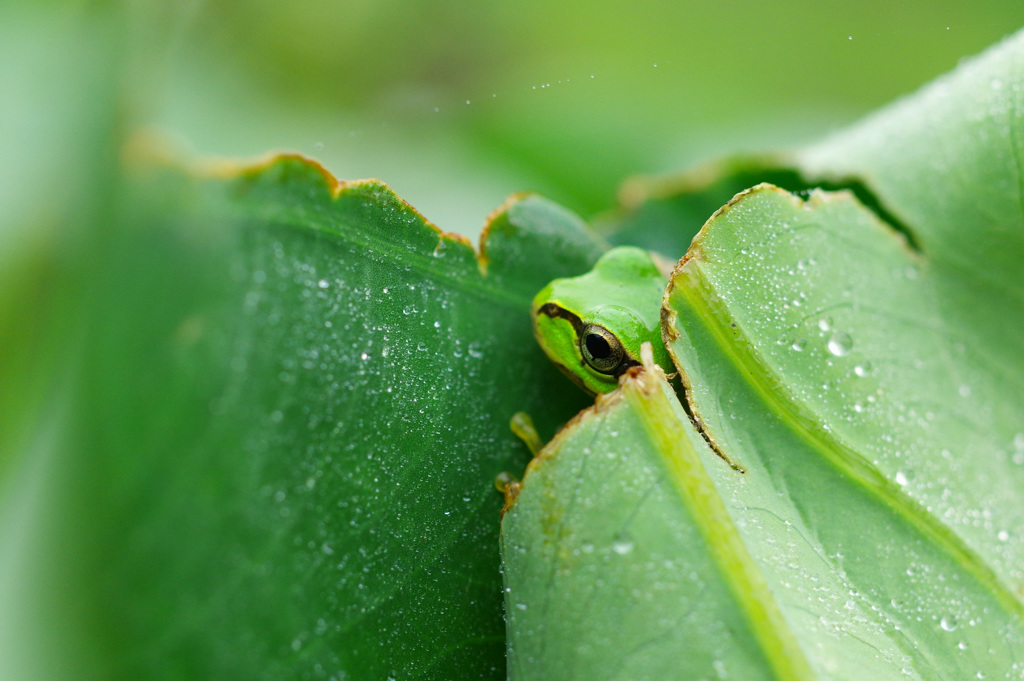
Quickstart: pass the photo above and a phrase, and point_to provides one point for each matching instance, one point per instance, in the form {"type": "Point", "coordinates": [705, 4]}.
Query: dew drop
{"type": "Point", "coordinates": [948, 623]}
{"type": "Point", "coordinates": [825, 324]}
{"type": "Point", "coordinates": [622, 545]}
{"type": "Point", "coordinates": [840, 344]}
{"type": "Point", "coordinates": [862, 370]}
{"type": "Point", "coordinates": [799, 344]}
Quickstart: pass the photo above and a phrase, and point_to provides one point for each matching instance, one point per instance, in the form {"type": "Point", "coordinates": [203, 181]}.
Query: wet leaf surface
{"type": "Point", "coordinates": [292, 400]}
{"type": "Point", "coordinates": [621, 560]}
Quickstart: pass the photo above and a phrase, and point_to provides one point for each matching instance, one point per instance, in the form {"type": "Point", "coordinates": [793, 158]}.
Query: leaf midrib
{"type": "Point", "coordinates": [738, 569]}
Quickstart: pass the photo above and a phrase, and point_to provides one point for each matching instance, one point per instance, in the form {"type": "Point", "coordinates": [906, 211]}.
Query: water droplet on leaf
{"type": "Point", "coordinates": [622, 545]}
{"type": "Point", "coordinates": [840, 344]}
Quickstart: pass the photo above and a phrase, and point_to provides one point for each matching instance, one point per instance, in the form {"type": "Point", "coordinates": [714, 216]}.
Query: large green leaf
{"type": "Point", "coordinates": [621, 561]}
{"type": "Point", "coordinates": [858, 355]}
{"type": "Point", "coordinates": [291, 403]}
{"type": "Point", "coordinates": [935, 327]}
{"type": "Point", "coordinates": [802, 395]}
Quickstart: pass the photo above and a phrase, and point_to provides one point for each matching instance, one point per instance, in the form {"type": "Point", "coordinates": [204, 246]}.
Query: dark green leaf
{"type": "Point", "coordinates": [291, 406]}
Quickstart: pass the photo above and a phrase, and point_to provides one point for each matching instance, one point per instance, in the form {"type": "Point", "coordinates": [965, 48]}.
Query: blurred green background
{"type": "Point", "coordinates": [455, 105]}
{"type": "Point", "coordinates": [458, 104]}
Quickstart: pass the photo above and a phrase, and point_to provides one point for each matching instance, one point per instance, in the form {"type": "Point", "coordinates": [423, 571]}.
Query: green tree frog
{"type": "Point", "coordinates": [592, 326]}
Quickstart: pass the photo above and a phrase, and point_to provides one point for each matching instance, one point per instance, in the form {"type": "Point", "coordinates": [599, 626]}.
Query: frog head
{"type": "Point", "coordinates": [592, 326]}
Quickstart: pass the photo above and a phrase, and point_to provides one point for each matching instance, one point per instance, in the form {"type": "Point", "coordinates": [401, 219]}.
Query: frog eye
{"type": "Point", "coordinates": [601, 349]}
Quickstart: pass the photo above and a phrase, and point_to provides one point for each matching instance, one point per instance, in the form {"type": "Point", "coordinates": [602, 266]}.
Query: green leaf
{"type": "Point", "coordinates": [663, 214]}
{"type": "Point", "coordinates": [621, 560]}
{"type": "Point", "coordinates": [291, 403]}
{"type": "Point", "coordinates": [857, 353]}
{"type": "Point", "coordinates": [799, 370]}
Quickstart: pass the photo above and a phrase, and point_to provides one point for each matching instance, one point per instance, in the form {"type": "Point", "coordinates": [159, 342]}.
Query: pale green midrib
{"type": "Point", "coordinates": [296, 218]}
{"type": "Point", "coordinates": [744, 580]}
{"type": "Point", "coordinates": [792, 413]}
